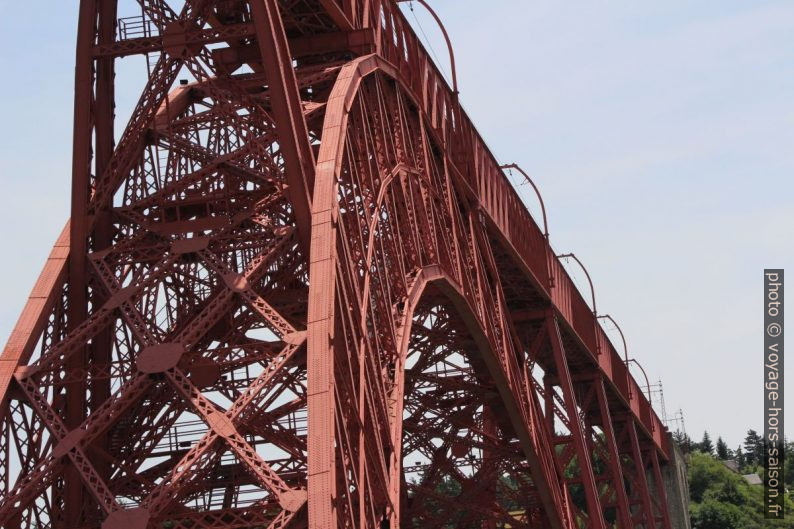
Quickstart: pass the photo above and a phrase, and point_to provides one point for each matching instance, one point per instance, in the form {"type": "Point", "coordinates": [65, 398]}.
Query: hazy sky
{"type": "Point", "coordinates": [660, 133]}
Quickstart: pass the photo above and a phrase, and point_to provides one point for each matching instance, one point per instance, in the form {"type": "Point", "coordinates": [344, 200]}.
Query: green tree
{"type": "Point", "coordinates": [701, 476]}
{"type": "Point", "coordinates": [753, 448]}
{"type": "Point", "coordinates": [706, 445]}
{"type": "Point", "coordinates": [727, 492]}
{"type": "Point", "coordinates": [738, 454]}
{"type": "Point", "coordinates": [723, 452]}
{"type": "Point", "coordinates": [712, 514]}
{"type": "Point", "coordinates": [682, 440]}
{"type": "Point", "coordinates": [721, 499]}
{"type": "Point", "coordinates": [788, 466]}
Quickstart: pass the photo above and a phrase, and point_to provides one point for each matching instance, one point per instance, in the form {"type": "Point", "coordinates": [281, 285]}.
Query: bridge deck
{"type": "Point", "coordinates": [397, 42]}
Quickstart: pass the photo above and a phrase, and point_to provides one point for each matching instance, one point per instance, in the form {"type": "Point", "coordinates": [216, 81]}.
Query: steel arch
{"type": "Point", "coordinates": [321, 297]}
{"type": "Point", "coordinates": [221, 335]}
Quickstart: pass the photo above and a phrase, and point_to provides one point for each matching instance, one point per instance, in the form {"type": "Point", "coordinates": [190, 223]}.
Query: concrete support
{"type": "Point", "coordinates": [674, 477]}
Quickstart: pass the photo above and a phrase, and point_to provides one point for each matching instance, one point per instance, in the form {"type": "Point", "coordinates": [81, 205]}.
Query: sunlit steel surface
{"type": "Point", "coordinates": [300, 292]}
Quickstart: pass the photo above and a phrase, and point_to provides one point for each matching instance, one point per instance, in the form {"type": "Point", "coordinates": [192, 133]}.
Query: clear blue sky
{"type": "Point", "coordinates": [660, 133]}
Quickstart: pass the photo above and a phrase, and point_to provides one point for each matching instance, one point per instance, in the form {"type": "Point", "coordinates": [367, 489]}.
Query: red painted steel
{"type": "Point", "coordinates": [300, 292]}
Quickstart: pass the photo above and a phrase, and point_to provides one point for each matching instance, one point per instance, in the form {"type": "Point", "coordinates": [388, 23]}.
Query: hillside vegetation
{"type": "Point", "coordinates": [723, 499]}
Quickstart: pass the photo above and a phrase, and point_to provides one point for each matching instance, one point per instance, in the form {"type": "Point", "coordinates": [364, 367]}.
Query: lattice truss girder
{"type": "Point", "coordinates": [278, 302]}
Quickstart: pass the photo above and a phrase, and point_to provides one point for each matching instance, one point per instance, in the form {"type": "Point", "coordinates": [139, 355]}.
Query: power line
{"type": "Point", "coordinates": [429, 45]}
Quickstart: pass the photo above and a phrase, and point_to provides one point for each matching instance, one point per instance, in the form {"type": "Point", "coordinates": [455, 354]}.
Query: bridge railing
{"type": "Point", "coordinates": [578, 314]}
{"type": "Point", "coordinates": [397, 43]}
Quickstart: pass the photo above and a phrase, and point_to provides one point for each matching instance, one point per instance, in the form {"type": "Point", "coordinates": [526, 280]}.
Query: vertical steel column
{"type": "Point", "coordinates": [642, 480]}
{"type": "Point", "coordinates": [102, 344]}
{"type": "Point", "coordinates": [293, 136]}
{"type": "Point", "coordinates": [77, 281]}
{"type": "Point", "coordinates": [624, 511]}
{"type": "Point", "coordinates": [595, 515]}
{"type": "Point", "coordinates": [488, 428]}
{"type": "Point", "coordinates": [548, 403]}
{"type": "Point", "coordinates": [657, 473]}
